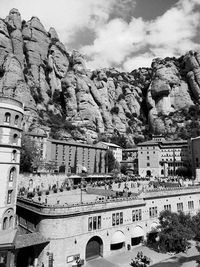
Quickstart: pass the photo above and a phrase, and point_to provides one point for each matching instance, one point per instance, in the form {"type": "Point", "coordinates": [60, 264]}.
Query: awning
{"type": "Point", "coordinates": [117, 238]}
{"type": "Point", "coordinates": [27, 240]}
{"type": "Point", "coordinates": [137, 231]}
{"type": "Point", "coordinates": [7, 238]}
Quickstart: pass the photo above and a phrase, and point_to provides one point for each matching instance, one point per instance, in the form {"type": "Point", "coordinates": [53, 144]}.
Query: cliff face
{"type": "Point", "coordinates": [60, 92]}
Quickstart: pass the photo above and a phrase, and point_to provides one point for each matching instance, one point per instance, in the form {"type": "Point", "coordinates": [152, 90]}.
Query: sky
{"type": "Point", "coordinates": [125, 34]}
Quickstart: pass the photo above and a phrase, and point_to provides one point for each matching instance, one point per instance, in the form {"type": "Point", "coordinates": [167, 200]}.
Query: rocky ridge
{"type": "Point", "coordinates": [76, 103]}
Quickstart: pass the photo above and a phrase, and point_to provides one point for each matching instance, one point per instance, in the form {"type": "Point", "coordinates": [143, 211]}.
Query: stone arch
{"type": "Point", "coordinates": [94, 248]}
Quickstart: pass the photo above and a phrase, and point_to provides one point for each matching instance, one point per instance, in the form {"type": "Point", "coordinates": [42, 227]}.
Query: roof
{"type": "Point", "coordinates": [7, 238]}
{"type": "Point", "coordinates": [110, 144]}
{"type": "Point", "coordinates": [72, 143]}
{"type": "Point", "coordinates": [163, 143]}
{"type": "Point", "coordinates": [135, 148]}
{"type": "Point", "coordinates": [31, 239]}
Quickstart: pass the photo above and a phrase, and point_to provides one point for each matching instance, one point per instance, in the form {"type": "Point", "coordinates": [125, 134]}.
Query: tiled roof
{"type": "Point", "coordinates": [31, 239]}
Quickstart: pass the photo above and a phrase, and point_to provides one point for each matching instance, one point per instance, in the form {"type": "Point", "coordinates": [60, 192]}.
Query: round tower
{"type": "Point", "coordinates": [11, 115]}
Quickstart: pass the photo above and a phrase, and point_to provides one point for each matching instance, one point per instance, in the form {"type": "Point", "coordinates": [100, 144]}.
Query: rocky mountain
{"type": "Point", "coordinates": [61, 94]}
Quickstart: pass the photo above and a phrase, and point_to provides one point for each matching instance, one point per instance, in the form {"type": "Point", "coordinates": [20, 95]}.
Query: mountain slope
{"type": "Point", "coordinates": [76, 103]}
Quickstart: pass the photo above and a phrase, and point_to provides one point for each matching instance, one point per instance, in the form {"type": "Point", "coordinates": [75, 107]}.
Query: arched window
{"type": "Point", "coordinates": [9, 196]}
{"type": "Point", "coordinates": [11, 221]}
{"type": "Point", "coordinates": [7, 117]}
{"type": "Point", "coordinates": [11, 174]}
{"type": "Point", "coordinates": [5, 223]}
{"type": "Point", "coordinates": [16, 119]}
{"type": "Point", "coordinates": [8, 219]}
{"type": "Point", "coordinates": [162, 171]}
{"type": "Point", "coordinates": [15, 137]}
{"type": "Point", "coordinates": [14, 155]}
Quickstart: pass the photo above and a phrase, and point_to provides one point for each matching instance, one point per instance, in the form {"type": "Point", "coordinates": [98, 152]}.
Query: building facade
{"type": "Point", "coordinates": [161, 158]}
{"type": "Point", "coordinates": [100, 228]}
{"type": "Point", "coordinates": [117, 150]}
{"type": "Point", "coordinates": [76, 157]}
{"type": "Point", "coordinates": [11, 115]}
{"type": "Point", "coordinates": [130, 157]}
{"type": "Point", "coordinates": [194, 157]}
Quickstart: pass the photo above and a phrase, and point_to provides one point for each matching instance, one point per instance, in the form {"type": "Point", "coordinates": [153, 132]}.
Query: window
{"type": "Point", "coordinates": [179, 206]}
{"type": "Point", "coordinates": [15, 137]}
{"type": "Point", "coordinates": [167, 207]}
{"type": "Point", "coordinates": [136, 215]}
{"type": "Point", "coordinates": [148, 164]}
{"type": "Point", "coordinates": [16, 119]}
{"type": "Point", "coordinates": [153, 212]}
{"type": "Point", "coordinates": [117, 218]}
{"type": "Point", "coordinates": [190, 205]}
{"type": "Point", "coordinates": [94, 223]}
{"type": "Point", "coordinates": [147, 157]}
{"type": "Point", "coordinates": [9, 197]}
{"type": "Point", "coordinates": [8, 219]}
{"type": "Point", "coordinates": [14, 155]}
{"type": "Point", "coordinates": [5, 223]}
{"type": "Point", "coordinates": [7, 117]}
{"type": "Point", "coordinates": [11, 174]}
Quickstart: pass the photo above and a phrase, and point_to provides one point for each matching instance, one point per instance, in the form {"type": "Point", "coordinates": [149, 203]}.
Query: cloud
{"type": "Point", "coordinates": [66, 16]}
{"type": "Point", "coordinates": [135, 62]}
{"type": "Point", "coordinates": [115, 41]}
{"type": "Point", "coordinates": [171, 34]}
{"type": "Point", "coordinates": [107, 32]}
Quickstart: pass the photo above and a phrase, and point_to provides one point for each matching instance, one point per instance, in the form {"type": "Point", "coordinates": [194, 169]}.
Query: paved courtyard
{"type": "Point", "coordinates": [123, 259]}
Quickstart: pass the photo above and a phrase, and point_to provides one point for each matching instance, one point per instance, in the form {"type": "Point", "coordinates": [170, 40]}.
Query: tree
{"type": "Point", "coordinates": [124, 167]}
{"type": "Point", "coordinates": [109, 160]}
{"type": "Point", "coordinates": [29, 154]}
{"type": "Point", "coordinates": [175, 231]}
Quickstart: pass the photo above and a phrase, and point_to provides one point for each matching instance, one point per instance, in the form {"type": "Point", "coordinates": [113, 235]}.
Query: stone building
{"type": "Point", "coordinates": [161, 158]}
{"type": "Point", "coordinates": [130, 157]}
{"type": "Point", "coordinates": [11, 115]}
{"type": "Point", "coordinates": [101, 227]}
{"type": "Point", "coordinates": [76, 157]}
{"type": "Point", "coordinates": [194, 157]}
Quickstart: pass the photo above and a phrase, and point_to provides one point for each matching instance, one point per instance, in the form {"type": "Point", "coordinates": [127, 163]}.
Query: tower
{"type": "Point", "coordinates": [11, 115]}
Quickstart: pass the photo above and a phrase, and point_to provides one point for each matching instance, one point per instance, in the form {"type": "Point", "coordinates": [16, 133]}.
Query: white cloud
{"type": "Point", "coordinates": [117, 42]}
{"type": "Point", "coordinates": [66, 16]}
{"type": "Point", "coordinates": [168, 35]}
{"type": "Point", "coordinates": [143, 60]}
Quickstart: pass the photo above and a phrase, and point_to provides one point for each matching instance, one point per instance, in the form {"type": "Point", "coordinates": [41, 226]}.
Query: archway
{"type": "Point", "coordinates": [25, 257]}
{"type": "Point", "coordinates": [94, 248]}
{"type": "Point", "coordinates": [153, 234]}
{"type": "Point", "coordinates": [117, 241]}
{"type": "Point", "coordinates": [148, 173]}
{"type": "Point", "coordinates": [137, 236]}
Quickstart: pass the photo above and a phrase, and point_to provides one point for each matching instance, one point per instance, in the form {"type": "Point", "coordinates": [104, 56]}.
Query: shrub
{"type": "Point", "coordinates": [115, 110]}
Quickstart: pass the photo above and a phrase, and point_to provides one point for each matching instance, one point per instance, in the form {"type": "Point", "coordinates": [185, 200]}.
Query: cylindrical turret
{"type": "Point", "coordinates": [11, 116]}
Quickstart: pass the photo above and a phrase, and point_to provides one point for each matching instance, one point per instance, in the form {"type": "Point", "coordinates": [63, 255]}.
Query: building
{"type": "Point", "coordinates": [117, 150]}
{"type": "Point", "coordinates": [11, 115]}
{"type": "Point", "coordinates": [194, 157]}
{"type": "Point", "coordinates": [101, 227]}
{"type": "Point", "coordinates": [130, 157]}
{"type": "Point", "coordinates": [76, 157]}
{"type": "Point", "coordinates": [161, 158]}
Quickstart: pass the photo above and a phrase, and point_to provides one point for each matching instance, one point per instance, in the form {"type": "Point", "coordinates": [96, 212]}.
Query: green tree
{"type": "Point", "coordinates": [109, 160]}
{"type": "Point", "coordinates": [175, 232]}
{"type": "Point", "coordinates": [29, 154]}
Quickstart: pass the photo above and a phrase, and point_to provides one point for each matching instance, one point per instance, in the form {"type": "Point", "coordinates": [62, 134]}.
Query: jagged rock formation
{"type": "Point", "coordinates": [60, 92]}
